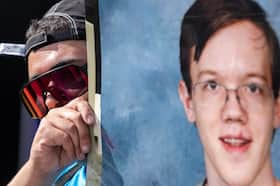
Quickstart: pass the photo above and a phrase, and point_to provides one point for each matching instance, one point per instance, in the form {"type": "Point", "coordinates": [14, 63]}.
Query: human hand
{"type": "Point", "coordinates": [63, 136]}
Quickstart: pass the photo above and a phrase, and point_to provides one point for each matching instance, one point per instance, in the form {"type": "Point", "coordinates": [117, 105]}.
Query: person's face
{"type": "Point", "coordinates": [47, 57]}
{"type": "Point", "coordinates": [236, 134]}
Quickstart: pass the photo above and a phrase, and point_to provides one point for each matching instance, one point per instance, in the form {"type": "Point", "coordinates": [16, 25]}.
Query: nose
{"type": "Point", "coordinates": [50, 101]}
{"type": "Point", "coordinates": [233, 110]}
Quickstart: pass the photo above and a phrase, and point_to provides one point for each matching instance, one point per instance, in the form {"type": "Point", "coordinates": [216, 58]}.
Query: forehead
{"type": "Point", "coordinates": [43, 59]}
{"type": "Point", "coordinates": [236, 50]}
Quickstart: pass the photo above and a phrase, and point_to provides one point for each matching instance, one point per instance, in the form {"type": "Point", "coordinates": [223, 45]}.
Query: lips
{"type": "Point", "coordinates": [235, 143]}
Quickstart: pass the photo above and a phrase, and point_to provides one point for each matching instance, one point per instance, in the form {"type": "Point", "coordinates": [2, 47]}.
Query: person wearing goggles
{"type": "Point", "coordinates": [63, 83]}
{"type": "Point", "coordinates": [230, 66]}
{"type": "Point", "coordinates": [57, 95]}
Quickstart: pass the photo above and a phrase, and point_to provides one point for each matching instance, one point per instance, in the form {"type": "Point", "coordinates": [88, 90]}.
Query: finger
{"type": "Point", "coordinates": [66, 125]}
{"type": "Point", "coordinates": [67, 154]}
{"type": "Point", "coordinates": [86, 111]}
{"type": "Point", "coordinates": [84, 96]}
{"type": "Point", "coordinates": [52, 139]}
{"type": "Point", "coordinates": [84, 137]}
{"type": "Point", "coordinates": [80, 126]}
{"type": "Point", "coordinates": [81, 105]}
{"type": "Point", "coordinates": [88, 116]}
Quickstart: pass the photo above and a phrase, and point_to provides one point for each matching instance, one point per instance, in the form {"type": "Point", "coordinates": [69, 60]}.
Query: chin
{"type": "Point", "coordinates": [236, 182]}
{"type": "Point", "coordinates": [237, 177]}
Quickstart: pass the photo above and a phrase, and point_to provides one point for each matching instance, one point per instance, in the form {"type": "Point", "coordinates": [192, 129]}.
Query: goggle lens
{"type": "Point", "coordinates": [63, 83]}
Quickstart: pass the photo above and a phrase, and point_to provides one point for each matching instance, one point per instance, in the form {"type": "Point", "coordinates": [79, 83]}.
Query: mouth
{"type": "Point", "coordinates": [235, 143]}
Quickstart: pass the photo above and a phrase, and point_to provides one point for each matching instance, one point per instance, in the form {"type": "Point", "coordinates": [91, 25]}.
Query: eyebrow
{"type": "Point", "coordinates": [61, 63]}
{"type": "Point", "coordinates": [250, 75]}
{"type": "Point", "coordinates": [254, 75]}
{"type": "Point", "coordinates": [206, 72]}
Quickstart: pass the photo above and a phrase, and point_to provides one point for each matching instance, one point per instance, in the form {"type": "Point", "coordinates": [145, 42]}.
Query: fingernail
{"type": "Point", "coordinates": [90, 119]}
{"type": "Point", "coordinates": [85, 149]}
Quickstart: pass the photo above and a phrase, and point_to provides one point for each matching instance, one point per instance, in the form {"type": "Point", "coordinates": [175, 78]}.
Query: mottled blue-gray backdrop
{"type": "Point", "coordinates": [154, 143]}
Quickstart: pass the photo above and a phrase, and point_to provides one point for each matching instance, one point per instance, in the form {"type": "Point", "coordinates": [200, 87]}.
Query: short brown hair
{"type": "Point", "coordinates": [205, 17]}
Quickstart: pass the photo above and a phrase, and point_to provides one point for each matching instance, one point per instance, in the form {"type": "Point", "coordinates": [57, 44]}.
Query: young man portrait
{"type": "Point", "coordinates": [230, 66]}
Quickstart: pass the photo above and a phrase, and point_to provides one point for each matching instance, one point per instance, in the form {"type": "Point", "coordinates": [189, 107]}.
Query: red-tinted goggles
{"type": "Point", "coordinates": [63, 83]}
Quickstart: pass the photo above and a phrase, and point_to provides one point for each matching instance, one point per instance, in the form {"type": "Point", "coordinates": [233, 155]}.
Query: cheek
{"type": "Point", "coordinates": [208, 126]}
{"type": "Point", "coordinates": [206, 114]}
{"type": "Point", "coordinates": [261, 124]}
{"type": "Point", "coordinates": [207, 120]}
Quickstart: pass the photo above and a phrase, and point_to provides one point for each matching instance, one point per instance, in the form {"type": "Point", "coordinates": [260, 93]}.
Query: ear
{"type": "Point", "coordinates": [276, 123]}
{"type": "Point", "coordinates": [186, 100]}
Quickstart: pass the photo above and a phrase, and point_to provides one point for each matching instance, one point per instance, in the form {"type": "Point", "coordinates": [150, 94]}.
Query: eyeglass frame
{"type": "Point", "coordinates": [235, 90]}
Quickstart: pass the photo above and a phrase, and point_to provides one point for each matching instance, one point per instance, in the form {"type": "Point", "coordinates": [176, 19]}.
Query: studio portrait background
{"type": "Point", "coordinates": [154, 143]}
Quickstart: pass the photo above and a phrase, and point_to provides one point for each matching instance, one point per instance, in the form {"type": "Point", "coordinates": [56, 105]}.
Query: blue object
{"type": "Point", "coordinates": [75, 174]}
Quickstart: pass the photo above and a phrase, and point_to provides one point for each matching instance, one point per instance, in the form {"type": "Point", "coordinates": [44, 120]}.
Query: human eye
{"type": "Point", "coordinates": [210, 85]}
{"type": "Point", "coordinates": [254, 88]}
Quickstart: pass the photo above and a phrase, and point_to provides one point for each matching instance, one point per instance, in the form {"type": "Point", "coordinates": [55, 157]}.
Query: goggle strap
{"type": "Point", "coordinates": [35, 108]}
{"type": "Point", "coordinates": [28, 107]}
